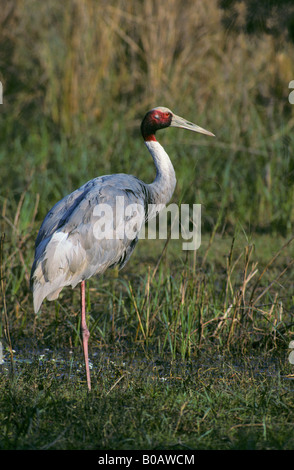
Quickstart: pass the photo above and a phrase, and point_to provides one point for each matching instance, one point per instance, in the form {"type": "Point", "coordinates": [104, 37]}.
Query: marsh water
{"type": "Point", "coordinates": [68, 364]}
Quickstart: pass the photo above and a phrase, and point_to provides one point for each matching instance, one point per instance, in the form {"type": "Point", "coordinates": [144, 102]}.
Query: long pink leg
{"type": "Point", "coordinates": [85, 333]}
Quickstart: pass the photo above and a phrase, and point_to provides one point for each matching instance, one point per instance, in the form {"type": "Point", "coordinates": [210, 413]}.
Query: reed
{"type": "Point", "coordinates": [77, 78]}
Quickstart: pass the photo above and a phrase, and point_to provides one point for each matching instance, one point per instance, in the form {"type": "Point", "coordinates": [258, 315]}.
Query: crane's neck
{"type": "Point", "coordinates": [164, 184]}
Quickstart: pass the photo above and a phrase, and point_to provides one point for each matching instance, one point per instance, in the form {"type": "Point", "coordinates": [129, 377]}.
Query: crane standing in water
{"type": "Point", "coordinates": [72, 246]}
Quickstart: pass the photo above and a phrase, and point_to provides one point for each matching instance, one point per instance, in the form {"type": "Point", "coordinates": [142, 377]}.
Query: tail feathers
{"type": "Point", "coordinates": [52, 268]}
{"type": "Point", "coordinates": [41, 291]}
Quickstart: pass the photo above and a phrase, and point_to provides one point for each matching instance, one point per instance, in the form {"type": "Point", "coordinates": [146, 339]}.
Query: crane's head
{"type": "Point", "coordinates": [160, 118]}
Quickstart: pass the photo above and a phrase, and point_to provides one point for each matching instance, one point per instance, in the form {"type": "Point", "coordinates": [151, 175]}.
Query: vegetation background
{"type": "Point", "coordinates": [78, 76]}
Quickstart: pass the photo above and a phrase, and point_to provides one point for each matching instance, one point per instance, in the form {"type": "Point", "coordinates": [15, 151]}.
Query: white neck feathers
{"type": "Point", "coordinates": [164, 184]}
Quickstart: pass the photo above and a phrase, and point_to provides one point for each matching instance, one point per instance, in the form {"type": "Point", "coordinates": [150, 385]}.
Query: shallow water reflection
{"type": "Point", "coordinates": [68, 364]}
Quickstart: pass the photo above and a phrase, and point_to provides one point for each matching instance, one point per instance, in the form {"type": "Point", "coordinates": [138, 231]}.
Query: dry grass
{"type": "Point", "coordinates": [76, 67]}
{"type": "Point", "coordinates": [79, 58]}
{"type": "Point", "coordinates": [77, 78]}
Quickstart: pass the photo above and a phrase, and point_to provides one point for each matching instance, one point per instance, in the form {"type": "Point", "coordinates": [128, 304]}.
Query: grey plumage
{"type": "Point", "coordinates": [67, 250]}
{"type": "Point", "coordinates": [97, 226]}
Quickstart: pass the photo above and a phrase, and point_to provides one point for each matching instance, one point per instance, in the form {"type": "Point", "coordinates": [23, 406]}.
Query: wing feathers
{"type": "Point", "coordinates": [77, 240]}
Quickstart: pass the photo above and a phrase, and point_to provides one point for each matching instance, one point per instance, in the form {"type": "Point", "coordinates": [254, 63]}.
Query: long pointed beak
{"type": "Point", "coordinates": [178, 121]}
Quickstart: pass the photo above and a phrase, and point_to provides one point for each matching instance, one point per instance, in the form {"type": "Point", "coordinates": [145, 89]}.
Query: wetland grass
{"type": "Point", "coordinates": [179, 362]}
{"type": "Point", "coordinates": [188, 350]}
{"type": "Point", "coordinates": [148, 403]}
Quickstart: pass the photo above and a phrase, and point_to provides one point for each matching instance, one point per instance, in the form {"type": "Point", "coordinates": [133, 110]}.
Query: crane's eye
{"type": "Point", "coordinates": [167, 115]}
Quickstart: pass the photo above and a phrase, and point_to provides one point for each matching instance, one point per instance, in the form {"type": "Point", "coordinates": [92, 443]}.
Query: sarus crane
{"type": "Point", "coordinates": [70, 247]}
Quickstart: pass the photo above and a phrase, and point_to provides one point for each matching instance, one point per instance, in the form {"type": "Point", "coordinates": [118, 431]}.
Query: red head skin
{"type": "Point", "coordinates": [154, 120]}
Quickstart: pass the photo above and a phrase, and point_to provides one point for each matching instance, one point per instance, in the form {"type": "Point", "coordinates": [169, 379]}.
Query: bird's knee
{"type": "Point", "coordinates": [85, 332]}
